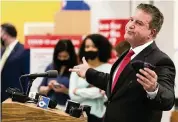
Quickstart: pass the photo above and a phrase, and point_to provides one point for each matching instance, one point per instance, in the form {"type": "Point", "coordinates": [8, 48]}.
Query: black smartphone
{"type": "Point", "coordinates": [138, 64]}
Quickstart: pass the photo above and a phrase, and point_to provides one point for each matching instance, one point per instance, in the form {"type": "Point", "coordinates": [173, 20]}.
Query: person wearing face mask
{"type": "Point", "coordinates": [14, 62]}
{"type": "Point", "coordinates": [64, 57]}
{"type": "Point", "coordinates": [97, 50]}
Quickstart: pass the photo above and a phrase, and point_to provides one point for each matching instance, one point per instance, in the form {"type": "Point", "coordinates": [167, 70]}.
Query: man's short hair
{"type": "Point", "coordinates": [157, 16]}
{"type": "Point", "coordinates": [9, 29]}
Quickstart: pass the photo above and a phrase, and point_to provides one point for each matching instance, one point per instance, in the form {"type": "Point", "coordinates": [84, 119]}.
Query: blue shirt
{"type": "Point", "coordinates": [61, 98]}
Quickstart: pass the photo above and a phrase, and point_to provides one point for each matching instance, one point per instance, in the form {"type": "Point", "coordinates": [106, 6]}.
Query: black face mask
{"type": "Point", "coordinates": [2, 41]}
{"type": "Point", "coordinates": [91, 55]}
{"type": "Point", "coordinates": [62, 62]}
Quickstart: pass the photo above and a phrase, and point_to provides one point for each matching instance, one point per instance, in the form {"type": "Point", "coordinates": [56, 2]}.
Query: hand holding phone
{"type": "Point", "coordinates": [60, 88]}
{"type": "Point", "coordinates": [57, 85]}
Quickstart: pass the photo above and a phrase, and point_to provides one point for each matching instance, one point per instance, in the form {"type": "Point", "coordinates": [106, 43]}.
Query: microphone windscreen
{"type": "Point", "coordinates": [138, 64]}
{"type": "Point", "coordinates": [52, 73]}
{"type": "Point", "coordinates": [52, 103]}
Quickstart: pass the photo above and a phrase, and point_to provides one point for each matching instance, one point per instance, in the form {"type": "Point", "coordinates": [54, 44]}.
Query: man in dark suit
{"type": "Point", "coordinates": [14, 60]}
{"type": "Point", "coordinates": [132, 96]}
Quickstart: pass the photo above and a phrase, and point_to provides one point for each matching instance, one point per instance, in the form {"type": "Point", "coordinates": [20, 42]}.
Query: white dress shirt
{"type": "Point", "coordinates": [137, 50]}
{"type": "Point", "coordinates": [6, 54]}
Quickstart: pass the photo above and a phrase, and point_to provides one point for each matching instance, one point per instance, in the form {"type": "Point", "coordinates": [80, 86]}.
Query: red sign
{"type": "Point", "coordinates": [113, 29]}
{"type": "Point", "coordinates": [49, 41]}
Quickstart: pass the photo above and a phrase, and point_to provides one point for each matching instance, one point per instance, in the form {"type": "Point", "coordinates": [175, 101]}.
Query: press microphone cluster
{"type": "Point", "coordinates": [19, 96]}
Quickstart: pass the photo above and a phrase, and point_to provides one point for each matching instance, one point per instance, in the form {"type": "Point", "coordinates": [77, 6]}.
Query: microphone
{"type": "Point", "coordinates": [32, 77]}
{"type": "Point", "coordinates": [35, 97]}
{"type": "Point", "coordinates": [49, 73]}
{"type": "Point", "coordinates": [138, 64]}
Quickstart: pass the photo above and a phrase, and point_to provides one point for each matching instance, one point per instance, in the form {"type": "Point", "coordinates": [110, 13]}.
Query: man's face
{"type": "Point", "coordinates": [137, 29]}
{"type": "Point", "coordinates": [3, 37]}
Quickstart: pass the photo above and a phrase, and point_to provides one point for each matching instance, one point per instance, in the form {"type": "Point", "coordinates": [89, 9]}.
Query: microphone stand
{"type": "Point", "coordinates": [30, 85]}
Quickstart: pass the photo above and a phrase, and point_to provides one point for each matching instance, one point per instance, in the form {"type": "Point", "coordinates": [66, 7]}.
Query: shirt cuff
{"type": "Point", "coordinates": [152, 95]}
{"type": "Point", "coordinates": [77, 92]}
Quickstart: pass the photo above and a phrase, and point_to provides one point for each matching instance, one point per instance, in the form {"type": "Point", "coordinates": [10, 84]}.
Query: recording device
{"type": "Point", "coordinates": [52, 103]}
{"type": "Point", "coordinates": [20, 96]}
{"type": "Point", "coordinates": [43, 102]}
{"type": "Point", "coordinates": [138, 64]}
{"type": "Point", "coordinates": [16, 95]}
{"type": "Point", "coordinates": [75, 112]}
{"type": "Point", "coordinates": [49, 74]}
{"type": "Point", "coordinates": [71, 104]}
{"type": "Point", "coordinates": [35, 97]}
{"type": "Point", "coordinates": [75, 109]}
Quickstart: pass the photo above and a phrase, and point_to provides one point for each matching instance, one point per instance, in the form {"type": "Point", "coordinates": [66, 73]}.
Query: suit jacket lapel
{"type": "Point", "coordinates": [121, 85]}
{"type": "Point", "coordinates": [12, 52]}
{"type": "Point", "coordinates": [113, 70]}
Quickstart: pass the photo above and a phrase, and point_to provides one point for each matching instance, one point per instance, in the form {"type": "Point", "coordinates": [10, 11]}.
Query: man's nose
{"type": "Point", "coordinates": [131, 25]}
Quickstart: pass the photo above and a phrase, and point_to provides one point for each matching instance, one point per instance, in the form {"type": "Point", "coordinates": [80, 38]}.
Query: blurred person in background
{"type": "Point", "coordinates": [97, 50]}
{"type": "Point", "coordinates": [14, 62]}
{"type": "Point", "coordinates": [122, 47]}
{"type": "Point", "coordinates": [64, 57]}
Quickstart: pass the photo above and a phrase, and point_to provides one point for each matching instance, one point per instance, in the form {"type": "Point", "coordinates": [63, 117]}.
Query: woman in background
{"type": "Point", "coordinates": [97, 50]}
{"type": "Point", "coordinates": [64, 57]}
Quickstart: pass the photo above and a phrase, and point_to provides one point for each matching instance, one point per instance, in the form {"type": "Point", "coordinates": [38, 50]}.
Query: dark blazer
{"type": "Point", "coordinates": [129, 102]}
{"type": "Point", "coordinates": [16, 65]}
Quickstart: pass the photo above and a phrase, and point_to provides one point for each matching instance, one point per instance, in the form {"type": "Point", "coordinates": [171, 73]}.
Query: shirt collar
{"type": "Point", "coordinates": [138, 49]}
{"type": "Point", "coordinates": [12, 45]}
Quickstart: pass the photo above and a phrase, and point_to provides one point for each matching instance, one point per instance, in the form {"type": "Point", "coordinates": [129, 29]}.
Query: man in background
{"type": "Point", "coordinates": [14, 60]}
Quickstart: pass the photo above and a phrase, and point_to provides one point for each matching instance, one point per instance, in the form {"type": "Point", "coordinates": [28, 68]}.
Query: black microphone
{"type": "Point", "coordinates": [49, 73]}
{"type": "Point", "coordinates": [32, 77]}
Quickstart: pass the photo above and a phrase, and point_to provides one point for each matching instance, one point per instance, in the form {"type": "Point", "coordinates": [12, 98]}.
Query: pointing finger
{"type": "Point", "coordinates": [84, 60]}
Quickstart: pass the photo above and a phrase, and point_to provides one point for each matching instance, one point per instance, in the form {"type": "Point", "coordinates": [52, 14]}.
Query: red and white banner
{"type": "Point", "coordinates": [113, 29]}
{"type": "Point", "coordinates": [49, 41]}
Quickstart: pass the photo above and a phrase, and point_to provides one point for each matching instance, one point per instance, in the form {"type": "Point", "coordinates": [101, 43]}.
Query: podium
{"type": "Point", "coordinates": [29, 112]}
{"type": "Point", "coordinates": [174, 116]}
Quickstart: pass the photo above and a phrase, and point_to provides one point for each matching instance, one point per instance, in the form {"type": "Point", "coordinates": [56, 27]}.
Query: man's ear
{"type": "Point", "coordinates": [152, 33]}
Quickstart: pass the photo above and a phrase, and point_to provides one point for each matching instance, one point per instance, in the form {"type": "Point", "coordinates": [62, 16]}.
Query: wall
{"type": "Point", "coordinates": [107, 9]}
{"type": "Point", "coordinates": [19, 12]}
{"type": "Point", "coordinates": [165, 39]}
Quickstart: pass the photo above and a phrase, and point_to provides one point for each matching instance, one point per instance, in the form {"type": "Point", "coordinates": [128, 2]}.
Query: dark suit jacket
{"type": "Point", "coordinates": [16, 65]}
{"type": "Point", "coordinates": [129, 102]}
